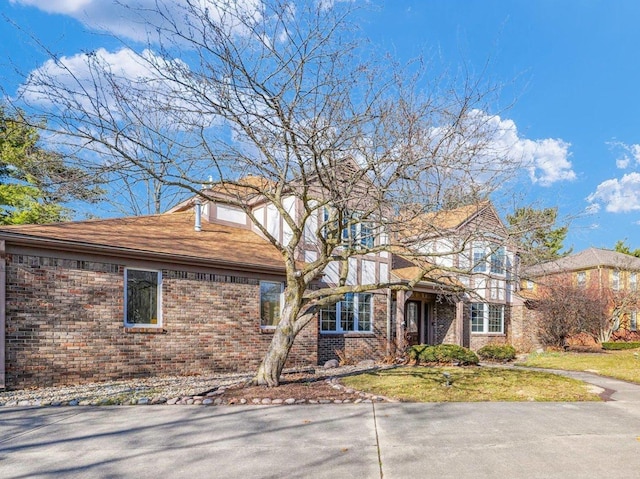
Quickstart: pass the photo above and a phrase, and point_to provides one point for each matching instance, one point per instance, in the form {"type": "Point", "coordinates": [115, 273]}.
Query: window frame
{"type": "Point", "coordinates": [581, 278]}
{"type": "Point", "coordinates": [280, 303]}
{"type": "Point", "coordinates": [615, 280]}
{"type": "Point", "coordinates": [633, 281]}
{"type": "Point", "coordinates": [633, 320]}
{"type": "Point", "coordinates": [159, 317]}
{"type": "Point", "coordinates": [357, 309]}
{"type": "Point", "coordinates": [481, 315]}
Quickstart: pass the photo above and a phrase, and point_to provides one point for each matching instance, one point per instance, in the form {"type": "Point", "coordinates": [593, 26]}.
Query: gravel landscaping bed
{"type": "Point", "coordinates": [307, 386]}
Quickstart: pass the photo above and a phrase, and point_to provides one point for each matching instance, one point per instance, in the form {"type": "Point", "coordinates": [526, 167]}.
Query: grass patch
{"type": "Point", "coordinates": [623, 365]}
{"type": "Point", "coordinates": [429, 384]}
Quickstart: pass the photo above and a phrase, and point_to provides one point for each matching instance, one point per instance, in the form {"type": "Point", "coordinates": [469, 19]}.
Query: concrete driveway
{"type": "Point", "coordinates": [528, 440]}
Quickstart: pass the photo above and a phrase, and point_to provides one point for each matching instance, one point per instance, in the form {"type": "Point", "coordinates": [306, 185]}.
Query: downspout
{"type": "Point", "coordinates": [3, 312]}
{"type": "Point", "coordinates": [460, 322]}
{"type": "Point", "coordinates": [389, 305]}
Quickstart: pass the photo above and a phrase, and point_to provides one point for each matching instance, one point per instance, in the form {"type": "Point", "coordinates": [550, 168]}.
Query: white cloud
{"type": "Point", "coordinates": [546, 160]}
{"type": "Point", "coordinates": [138, 19]}
{"type": "Point", "coordinates": [619, 195]}
{"type": "Point", "coordinates": [623, 162]}
{"type": "Point", "coordinates": [67, 7]}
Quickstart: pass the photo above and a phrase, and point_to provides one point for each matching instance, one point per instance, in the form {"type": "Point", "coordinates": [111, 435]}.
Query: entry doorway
{"type": "Point", "coordinates": [416, 316]}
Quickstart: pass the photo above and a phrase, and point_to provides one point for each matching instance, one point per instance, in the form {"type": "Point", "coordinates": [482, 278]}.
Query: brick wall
{"type": "Point", "coordinates": [358, 346]}
{"type": "Point", "coordinates": [65, 325]}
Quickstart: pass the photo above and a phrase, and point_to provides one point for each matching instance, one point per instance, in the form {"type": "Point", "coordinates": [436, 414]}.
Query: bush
{"type": "Point", "coordinates": [497, 352]}
{"type": "Point", "coordinates": [442, 354]}
{"type": "Point", "coordinates": [619, 346]}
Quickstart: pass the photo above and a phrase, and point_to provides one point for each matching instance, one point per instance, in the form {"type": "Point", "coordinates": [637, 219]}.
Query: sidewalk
{"type": "Point", "coordinates": [440, 440]}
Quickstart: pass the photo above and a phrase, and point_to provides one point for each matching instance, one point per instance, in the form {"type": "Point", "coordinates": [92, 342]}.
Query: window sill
{"type": "Point", "coordinates": [267, 329]}
{"type": "Point", "coordinates": [142, 330]}
{"type": "Point", "coordinates": [488, 334]}
{"type": "Point", "coordinates": [350, 334]}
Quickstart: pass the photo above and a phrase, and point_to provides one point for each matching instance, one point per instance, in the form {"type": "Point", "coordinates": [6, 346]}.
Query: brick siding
{"type": "Point", "coordinates": [65, 325]}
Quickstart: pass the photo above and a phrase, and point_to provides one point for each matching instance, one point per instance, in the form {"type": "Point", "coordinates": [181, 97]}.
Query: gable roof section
{"type": "Point", "coordinates": [590, 258]}
{"type": "Point", "coordinates": [438, 222]}
{"type": "Point", "coordinates": [169, 237]}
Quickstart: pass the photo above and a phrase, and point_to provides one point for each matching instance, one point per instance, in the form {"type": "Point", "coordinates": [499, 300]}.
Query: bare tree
{"type": "Point", "coordinates": [566, 309]}
{"type": "Point", "coordinates": [275, 102]}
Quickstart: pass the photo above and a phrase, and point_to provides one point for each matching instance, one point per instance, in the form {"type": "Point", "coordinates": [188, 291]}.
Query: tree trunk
{"type": "Point", "coordinates": [273, 363]}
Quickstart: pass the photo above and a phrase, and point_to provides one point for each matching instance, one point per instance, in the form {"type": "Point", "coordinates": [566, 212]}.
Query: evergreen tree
{"type": "Point", "coordinates": [35, 183]}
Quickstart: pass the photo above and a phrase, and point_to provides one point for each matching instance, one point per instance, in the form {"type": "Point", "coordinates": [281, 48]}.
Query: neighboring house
{"type": "Point", "coordinates": [608, 273]}
{"type": "Point", "coordinates": [198, 290]}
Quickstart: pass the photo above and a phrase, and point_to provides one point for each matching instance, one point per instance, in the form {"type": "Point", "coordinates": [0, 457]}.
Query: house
{"type": "Point", "coordinates": [198, 289]}
{"type": "Point", "coordinates": [608, 274]}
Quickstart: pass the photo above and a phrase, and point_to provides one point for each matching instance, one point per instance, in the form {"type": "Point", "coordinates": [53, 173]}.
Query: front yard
{"type": "Point", "coordinates": [455, 384]}
{"type": "Point", "coordinates": [623, 365]}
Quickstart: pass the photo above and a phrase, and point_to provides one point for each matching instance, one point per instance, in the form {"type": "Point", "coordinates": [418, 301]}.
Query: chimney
{"type": "Point", "coordinates": [198, 225]}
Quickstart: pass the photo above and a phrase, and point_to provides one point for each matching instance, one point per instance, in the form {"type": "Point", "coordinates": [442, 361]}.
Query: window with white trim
{"type": "Point", "coordinates": [633, 321]}
{"type": "Point", "coordinates": [497, 260]}
{"type": "Point", "coordinates": [615, 280]}
{"type": "Point", "coordinates": [489, 258]}
{"type": "Point", "coordinates": [487, 318]}
{"type": "Point", "coordinates": [270, 303]}
{"type": "Point", "coordinates": [633, 281]}
{"type": "Point", "coordinates": [581, 278]}
{"type": "Point", "coordinates": [354, 232]}
{"type": "Point", "coordinates": [143, 298]}
{"type": "Point", "coordinates": [352, 314]}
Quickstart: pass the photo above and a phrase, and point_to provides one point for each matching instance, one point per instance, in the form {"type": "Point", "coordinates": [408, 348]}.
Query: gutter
{"type": "Point", "coordinates": [130, 253]}
{"type": "Point", "coordinates": [3, 313]}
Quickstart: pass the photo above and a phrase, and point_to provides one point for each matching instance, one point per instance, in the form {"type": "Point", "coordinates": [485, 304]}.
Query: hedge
{"type": "Point", "coordinates": [497, 352]}
{"type": "Point", "coordinates": [442, 354]}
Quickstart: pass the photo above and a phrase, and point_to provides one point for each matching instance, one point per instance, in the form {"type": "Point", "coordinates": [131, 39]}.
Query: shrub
{"type": "Point", "coordinates": [442, 354]}
{"type": "Point", "coordinates": [619, 346]}
{"type": "Point", "coordinates": [497, 352]}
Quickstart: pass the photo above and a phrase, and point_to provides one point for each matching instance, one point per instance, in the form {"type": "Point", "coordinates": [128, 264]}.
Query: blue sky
{"type": "Point", "coordinates": [571, 66]}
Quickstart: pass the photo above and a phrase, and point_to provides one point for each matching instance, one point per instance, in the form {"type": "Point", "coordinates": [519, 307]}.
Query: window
{"type": "Point", "coordinates": [479, 260]}
{"type": "Point", "coordinates": [615, 280]}
{"type": "Point", "coordinates": [143, 294]}
{"type": "Point", "coordinates": [581, 278]}
{"type": "Point", "coordinates": [633, 281]}
{"type": "Point", "coordinates": [270, 293]}
{"type": "Point", "coordinates": [497, 260]}
{"type": "Point", "coordinates": [633, 321]}
{"type": "Point", "coordinates": [487, 318]}
{"type": "Point", "coordinates": [353, 232]}
{"type": "Point", "coordinates": [492, 258]}
{"type": "Point", "coordinates": [352, 314]}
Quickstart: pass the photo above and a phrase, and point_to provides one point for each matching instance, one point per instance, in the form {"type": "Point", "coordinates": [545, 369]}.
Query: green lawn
{"type": "Point", "coordinates": [428, 384]}
{"type": "Point", "coordinates": [616, 364]}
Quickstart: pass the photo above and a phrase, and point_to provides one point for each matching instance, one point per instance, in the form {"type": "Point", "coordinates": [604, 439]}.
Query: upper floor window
{"type": "Point", "coordinates": [581, 278]}
{"type": "Point", "coordinates": [615, 280]}
{"type": "Point", "coordinates": [352, 314]}
{"type": "Point", "coordinates": [487, 318]}
{"type": "Point", "coordinates": [490, 258]}
{"type": "Point", "coordinates": [270, 294]}
{"type": "Point", "coordinates": [354, 232]}
{"type": "Point", "coordinates": [497, 260]}
{"type": "Point", "coordinates": [143, 293]}
{"type": "Point", "coordinates": [633, 281]}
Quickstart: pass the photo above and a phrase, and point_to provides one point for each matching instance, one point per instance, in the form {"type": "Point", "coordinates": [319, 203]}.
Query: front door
{"type": "Point", "coordinates": [413, 321]}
